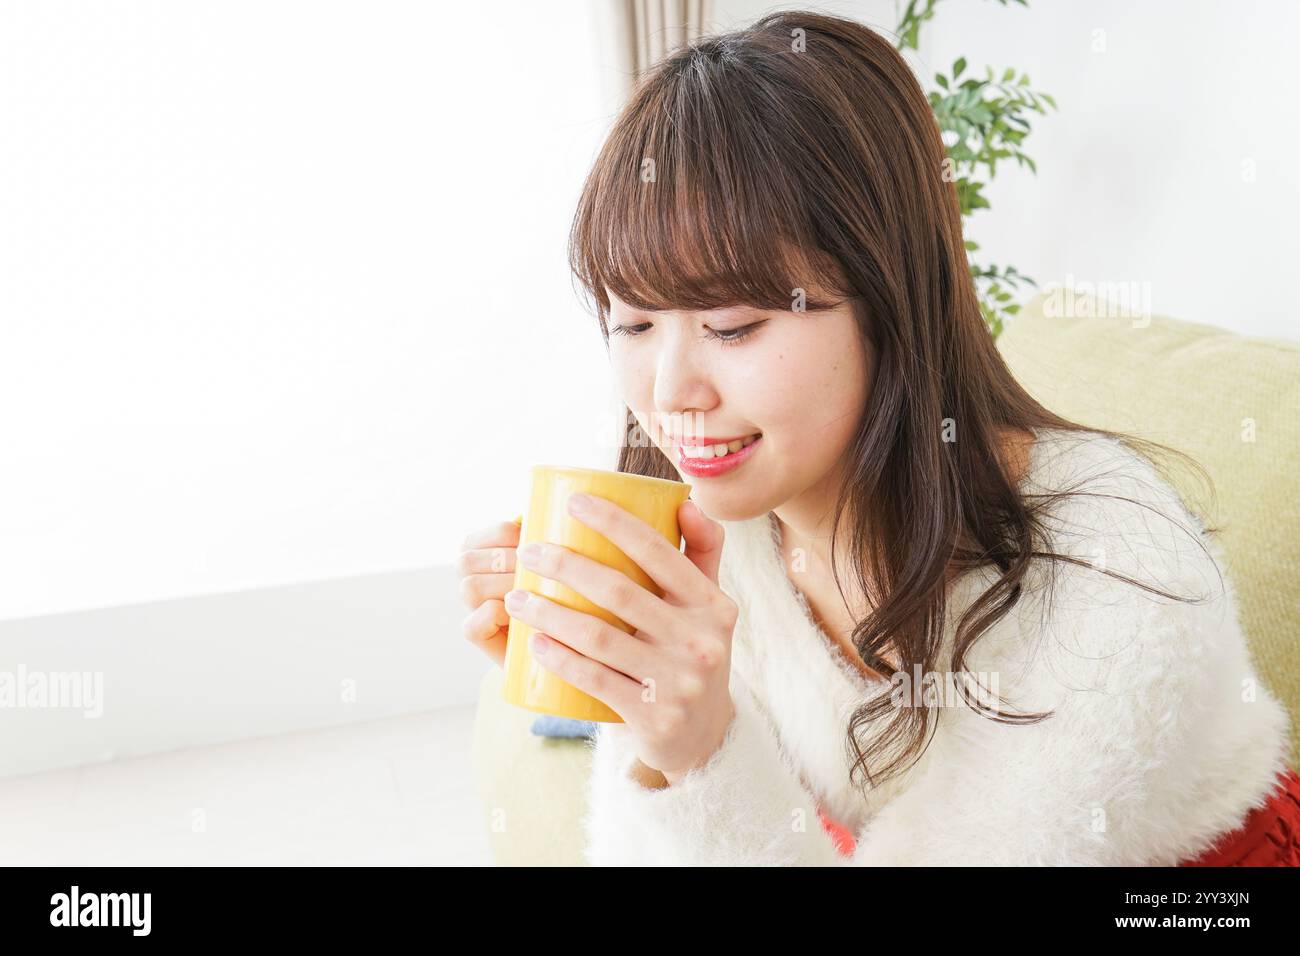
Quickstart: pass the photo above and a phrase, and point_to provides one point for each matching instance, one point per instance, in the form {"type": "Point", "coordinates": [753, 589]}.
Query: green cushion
{"type": "Point", "coordinates": [1229, 401]}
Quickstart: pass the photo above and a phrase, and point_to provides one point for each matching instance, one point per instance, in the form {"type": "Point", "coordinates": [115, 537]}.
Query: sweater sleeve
{"type": "Point", "coordinates": [745, 807]}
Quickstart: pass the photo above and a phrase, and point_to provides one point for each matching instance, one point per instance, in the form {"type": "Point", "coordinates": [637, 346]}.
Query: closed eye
{"type": "Point", "coordinates": [725, 336]}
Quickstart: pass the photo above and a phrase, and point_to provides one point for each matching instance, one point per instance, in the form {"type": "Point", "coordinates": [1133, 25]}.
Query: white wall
{"type": "Point", "coordinates": [1170, 161]}
{"type": "Point", "coordinates": [274, 277]}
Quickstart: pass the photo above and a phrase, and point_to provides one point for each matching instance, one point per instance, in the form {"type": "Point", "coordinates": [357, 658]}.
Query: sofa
{"type": "Point", "coordinates": [1228, 400]}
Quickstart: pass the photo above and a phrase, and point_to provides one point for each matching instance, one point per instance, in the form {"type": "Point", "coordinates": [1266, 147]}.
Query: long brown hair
{"type": "Point", "coordinates": [748, 161]}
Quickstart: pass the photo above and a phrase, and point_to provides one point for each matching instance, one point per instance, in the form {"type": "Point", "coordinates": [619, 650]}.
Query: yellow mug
{"type": "Point", "coordinates": [655, 501]}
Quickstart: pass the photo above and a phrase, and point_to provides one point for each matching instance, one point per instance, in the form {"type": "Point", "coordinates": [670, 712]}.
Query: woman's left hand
{"type": "Point", "coordinates": [670, 680]}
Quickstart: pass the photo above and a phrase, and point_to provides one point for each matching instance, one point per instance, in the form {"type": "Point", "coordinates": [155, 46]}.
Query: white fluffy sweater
{"type": "Point", "coordinates": [1163, 737]}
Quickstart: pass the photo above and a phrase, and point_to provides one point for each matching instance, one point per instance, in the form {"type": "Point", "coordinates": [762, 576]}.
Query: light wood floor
{"type": "Point", "coordinates": [398, 791]}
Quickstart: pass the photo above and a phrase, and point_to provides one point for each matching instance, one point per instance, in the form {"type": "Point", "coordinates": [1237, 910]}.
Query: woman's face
{"type": "Point", "coordinates": [800, 379]}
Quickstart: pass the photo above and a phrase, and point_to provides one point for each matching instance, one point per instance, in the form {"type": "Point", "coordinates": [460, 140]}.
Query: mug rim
{"type": "Point", "coordinates": [579, 470]}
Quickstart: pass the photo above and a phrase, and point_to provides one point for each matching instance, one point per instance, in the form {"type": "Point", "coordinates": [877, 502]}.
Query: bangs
{"type": "Point", "coordinates": [689, 206]}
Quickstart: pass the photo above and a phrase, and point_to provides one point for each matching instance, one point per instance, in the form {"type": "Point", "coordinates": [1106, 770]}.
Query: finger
{"type": "Point", "coordinates": [477, 588]}
{"type": "Point", "coordinates": [485, 561]}
{"type": "Point", "coordinates": [585, 633]}
{"type": "Point", "coordinates": [703, 537]}
{"type": "Point", "coordinates": [618, 691]}
{"type": "Point", "coordinates": [600, 584]}
{"type": "Point", "coordinates": [652, 552]}
{"type": "Point", "coordinates": [487, 628]}
{"type": "Point", "coordinates": [503, 534]}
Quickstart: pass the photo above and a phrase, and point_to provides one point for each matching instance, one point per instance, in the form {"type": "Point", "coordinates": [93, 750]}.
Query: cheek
{"type": "Point", "coordinates": [634, 384]}
{"type": "Point", "coordinates": [845, 389]}
{"type": "Point", "coordinates": [821, 395]}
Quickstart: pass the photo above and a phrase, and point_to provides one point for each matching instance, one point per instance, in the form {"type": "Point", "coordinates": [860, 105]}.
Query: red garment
{"type": "Point", "coordinates": [1269, 835]}
{"type": "Point", "coordinates": [841, 836]}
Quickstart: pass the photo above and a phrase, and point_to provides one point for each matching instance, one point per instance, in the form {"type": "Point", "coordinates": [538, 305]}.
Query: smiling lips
{"type": "Point", "coordinates": [704, 461]}
{"type": "Point", "coordinates": [706, 448]}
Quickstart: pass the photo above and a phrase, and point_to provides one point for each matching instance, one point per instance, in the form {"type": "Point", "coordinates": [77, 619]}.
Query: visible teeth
{"type": "Point", "coordinates": [717, 451]}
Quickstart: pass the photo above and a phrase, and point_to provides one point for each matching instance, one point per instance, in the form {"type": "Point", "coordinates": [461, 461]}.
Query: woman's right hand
{"type": "Point", "coordinates": [487, 571]}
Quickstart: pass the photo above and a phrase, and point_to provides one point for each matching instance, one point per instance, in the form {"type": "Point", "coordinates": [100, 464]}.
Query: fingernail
{"type": "Point", "coordinates": [537, 644]}
{"type": "Point", "coordinates": [516, 599]}
{"type": "Point", "coordinates": [579, 503]}
{"type": "Point", "coordinates": [530, 552]}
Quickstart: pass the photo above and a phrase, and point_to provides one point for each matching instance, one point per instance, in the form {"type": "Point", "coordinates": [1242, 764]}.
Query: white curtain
{"type": "Point", "coordinates": [636, 34]}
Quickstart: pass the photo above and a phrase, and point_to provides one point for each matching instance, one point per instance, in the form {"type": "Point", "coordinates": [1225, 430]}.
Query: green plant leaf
{"type": "Point", "coordinates": [983, 121]}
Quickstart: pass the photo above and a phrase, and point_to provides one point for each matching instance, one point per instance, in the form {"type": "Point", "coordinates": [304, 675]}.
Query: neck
{"type": "Point", "coordinates": [804, 526]}
{"type": "Point", "coordinates": [805, 523]}
{"type": "Point", "coordinates": [807, 545]}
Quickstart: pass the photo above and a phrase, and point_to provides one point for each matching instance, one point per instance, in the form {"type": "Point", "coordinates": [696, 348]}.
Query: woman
{"type": "Point", "coordinates": [1032, 657]}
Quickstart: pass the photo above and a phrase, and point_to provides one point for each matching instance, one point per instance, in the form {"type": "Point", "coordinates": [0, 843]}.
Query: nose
{"type": "Point", "coordinates": [682, 381]}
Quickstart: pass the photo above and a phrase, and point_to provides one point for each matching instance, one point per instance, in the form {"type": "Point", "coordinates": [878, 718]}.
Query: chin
{"type": "Point", "coordinates": [722, 510]}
